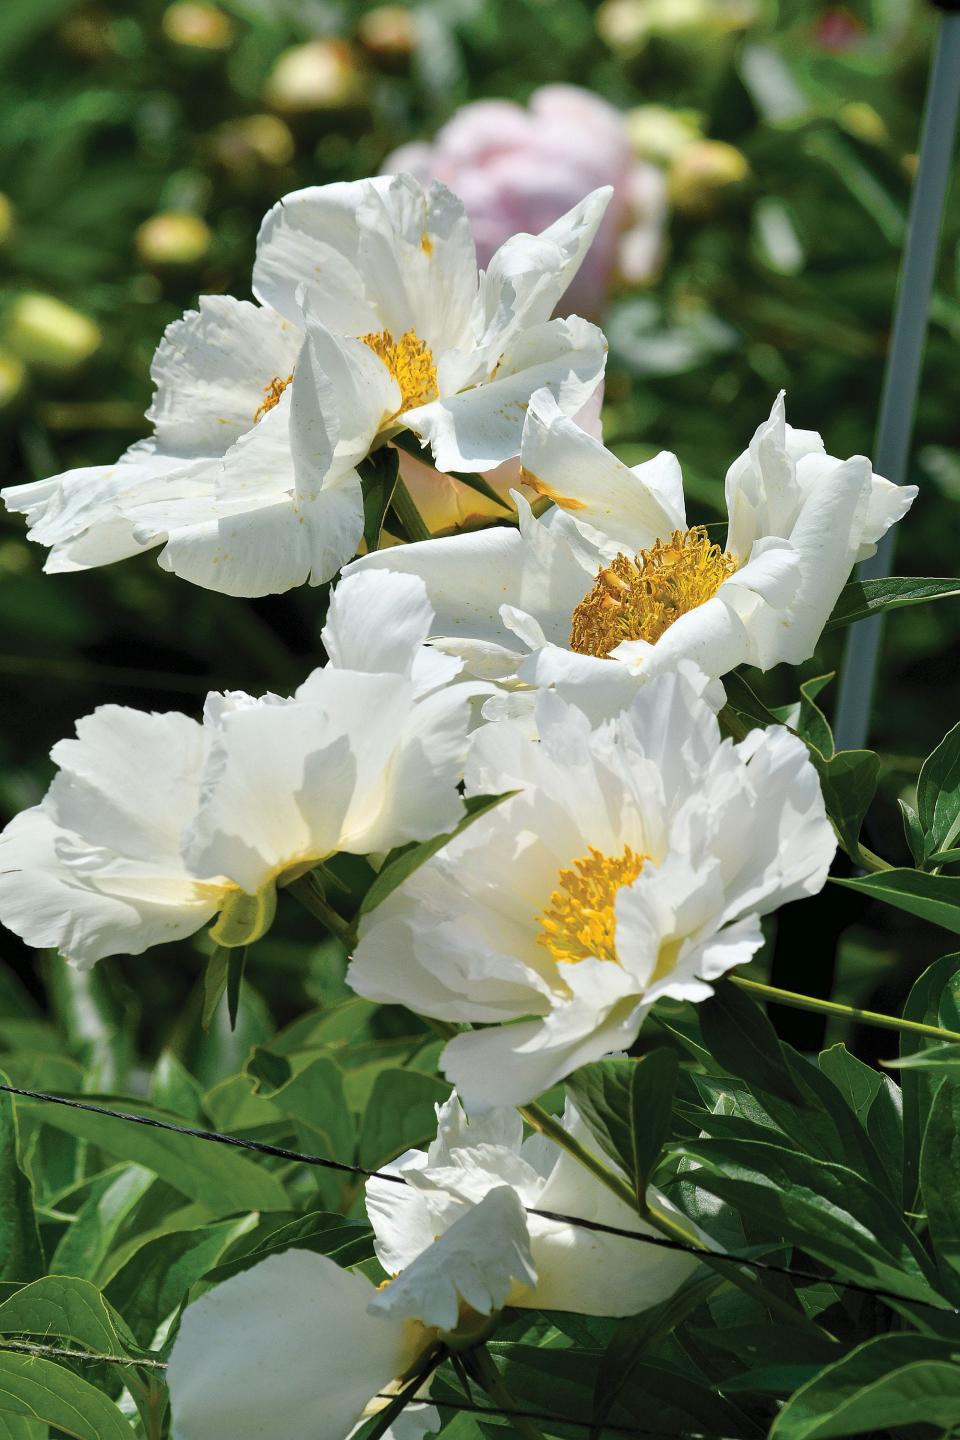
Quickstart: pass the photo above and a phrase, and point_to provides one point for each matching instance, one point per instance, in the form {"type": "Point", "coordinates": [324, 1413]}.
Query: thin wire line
{"type": "Point", "coordinates": [91, 1357]}
{"type": "Point", "coordinates": [472, 1409]}
{"type": "Point", "coordinates": [63, 1352]}
{"type": "Point", "coordinates": [323, 1162]}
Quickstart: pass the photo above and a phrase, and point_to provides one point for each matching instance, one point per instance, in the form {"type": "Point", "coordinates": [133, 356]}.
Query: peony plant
{"type": "Point", "coordinates": [536, 812]}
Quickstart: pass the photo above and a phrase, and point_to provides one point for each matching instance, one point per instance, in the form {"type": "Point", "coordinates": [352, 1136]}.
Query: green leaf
{"type": "Point", "coordinates": [874, 1099]}
{"type": "Point", "coordinates": [349, 1242]}
{"type": "Point", "coordinates": [812, 725]}
{"type": "Point", "coordinates": [627, 1104]}
{"type": "Point", "coordinates": [111, 1198]}
{"type": "Point", "coordinates": [861, 598]}
{"type": "Point", "coordinates": [939, 1168]}
{"type": "Point", "coordinates": [199, 1169]}
{"type": "Point", "coordinates": [635, 1336]}
{"type": "Point", "coordinates": [155, 1280]}
{"type": "Point", "coordinates": [825, 1208]}
{"type": "Point", "coordinates": [912, 830]}
{"type": "Point", "coordinates": [938, 795]}
{"type": "Point", "coordinates": [944, 1058]}
{"type": "Point", "coordinates": [378, 479]}
{"type": "Point", "coordinates": [933, 1000]}
{"type": "Point", "coordinates": [889, 1381]}
{"type": "Point", "coordinates": [743, 699]}
{"type": "Point", "coordinates": [930, 897]}
{"type": "Point", "coordinates": [400, 868]}
{"type": "Point", "coordinates": [741, 1039]}
{"type": "Point", "coordinates": [21, 1253]}
{"type": "Point", "coordinates": [849, 782]}
{"type": "Point", "coordinates": [400, 1115]}
{"type": "Point", "coordinates": [69, 1309]}
{"type": "Point", "coordinates": [38, 1389]}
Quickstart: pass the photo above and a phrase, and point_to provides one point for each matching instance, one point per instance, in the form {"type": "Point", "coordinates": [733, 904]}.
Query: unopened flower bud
{"type": "Point", "coordinates": [13, 378]}
{"type": "Point", "coordinates": [627, 25]}
{"type": "Point", "coordinates": [6, 219]}
{"type": "Point", "coordinates": [703, 174]}
{"type": "Point", "coordinates": [389, 32]}
{"type": "Point", "coordinates": [253, 140]}
{"type": "Point", "coordinates": [43, 331]}
{"type": "Point", "coordinates": [321, 75]}
{"type": "Point", "coordinates": [658, 133]}
{"type": "Point", "coordinates": [199, 27]}
{"type": "Point", "coordinates": [172, 238]}
{"type": "Point", "coordinates": [863, 122]}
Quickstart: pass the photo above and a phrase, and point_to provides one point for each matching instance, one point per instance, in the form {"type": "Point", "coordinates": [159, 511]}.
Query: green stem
{"type": "Point", "coordinates": [304, 890]}
{"type": "Point", "coordinates": [833, 1007]}
{"type": "Point", "coordinates": [479, 1363]}
{"type": "Point", "coordinates": [407, 512]}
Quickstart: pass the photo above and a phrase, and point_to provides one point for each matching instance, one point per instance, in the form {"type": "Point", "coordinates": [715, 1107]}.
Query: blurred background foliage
{"type": "Point", "coordinates": [141, 142]}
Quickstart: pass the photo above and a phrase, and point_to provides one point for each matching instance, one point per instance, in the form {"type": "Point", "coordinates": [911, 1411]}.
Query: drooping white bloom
{"type": "Point", "coordinates": [301, 1347]}
{"type": "Point", "coordinates": [394, 263]}
{"type": "Point", "coordinates": [249, 479]}
{"type": "Point", "coordinates": [634, 863]}
{"type": "Point", "coordinates": [611, 585]}
{"type": "Point", "coordinates": [155, 823]}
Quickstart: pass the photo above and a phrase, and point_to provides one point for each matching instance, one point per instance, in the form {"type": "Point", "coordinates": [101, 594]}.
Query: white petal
{"type": "Point", "coordinates": [529, 273]}
{"type": "Point", "coordinates": [419, 261]}
{"type": "Point", "coordinates": [52, 904]}
{"type": "Point", "coordinates": [377, 621]}
{"type": "Point", "coordinates": [513, 1064]}
{"type": "Point", "coordinates": [481, 427]}
{"type": "Point", "coordinates": [478, 1261]}
{"type": "Point", "coordinates": [212, 370]}
{"type": "Point", "coordinates": [633, 507]}
{"type": "Point", "coordinates": [287, 1348]}
{"type": "Point", "coordinates": [888, 504]}
{"type": "Point", "coordinates": [311, 239]}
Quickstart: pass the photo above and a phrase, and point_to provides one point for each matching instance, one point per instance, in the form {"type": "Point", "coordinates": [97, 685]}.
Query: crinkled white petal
{"type": "Point", "coordinates": [480, 427]}
{"type": "Point", "coordinates": [477, 1262]}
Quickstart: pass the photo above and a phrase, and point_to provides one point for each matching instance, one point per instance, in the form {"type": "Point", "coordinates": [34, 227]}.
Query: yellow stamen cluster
{"type": "Point", "coordinates": [272, 393]}
{"type": "Point", "coordinates": [579, 921]}
{"type": "Point", "coordinates": [639, 599]}
{"type": "Point", "coordinates": [410, 362]}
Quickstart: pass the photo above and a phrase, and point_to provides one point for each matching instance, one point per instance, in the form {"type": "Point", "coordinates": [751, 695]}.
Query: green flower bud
{"type": "Point", "coordinates": [43, 331]}
{"type": "Point", "coordinates": [321, 75]}
{"type": "Point", "coordinates": [13, 379]}
{"type": "Point", "coordinates": [6, 219]}
{"type": "Point", "coordinates": [241, 146]}
{"type": "Point", "coordinates": [198, 27]}
{"type": "Point", "coordinates": [388, 32]}
{"type": "Point", "coordinates": [703, 174]}
{"type": "Point", "coordinates": [172, 238]}
{"type": "Point", "coordinates": [658, 133]}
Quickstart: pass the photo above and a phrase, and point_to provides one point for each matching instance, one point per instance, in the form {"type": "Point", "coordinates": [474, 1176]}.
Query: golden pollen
{"type": "Point", "coordinates": [579, 921]}
{"type": "Point", "coordinates": [639, 599]}
{"type": "Point", "coordinates": [410, 362]}
{"type": "Point", "coordinates": [272, 393]}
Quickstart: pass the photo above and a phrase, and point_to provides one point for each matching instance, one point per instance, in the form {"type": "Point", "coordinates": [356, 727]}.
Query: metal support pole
{"type": "Point", "coordinates": [904, 360]}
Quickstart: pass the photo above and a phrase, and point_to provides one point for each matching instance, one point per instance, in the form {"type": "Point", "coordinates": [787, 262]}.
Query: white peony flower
{"type": "Point", "coordinates": [297, 1345]}
{"type": "Point", "coordinates": [610, 585]}
{"type": "Point", "coordinates": [155, 823]}
{"type": "Point", "coordinates": [634, 863]}
{"type": "Point", "coordinates": [249, 479]}
{"type": "Point", "coordinates": [394, 264]}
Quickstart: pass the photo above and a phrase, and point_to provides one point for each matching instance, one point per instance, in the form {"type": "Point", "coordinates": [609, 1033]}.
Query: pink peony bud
{"type": "Point", "coordinates": [520, 169]}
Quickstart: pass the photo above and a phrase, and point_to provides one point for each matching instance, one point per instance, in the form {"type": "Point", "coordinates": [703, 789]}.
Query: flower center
{"type": "Point", "coordinates": [579, 921]}
{"type": "Point", "coordinates": [410, 362]}
{"type": "Point", "coordinates": [272, 393]}
{"type": "Point", "coordinates": [639, 599]}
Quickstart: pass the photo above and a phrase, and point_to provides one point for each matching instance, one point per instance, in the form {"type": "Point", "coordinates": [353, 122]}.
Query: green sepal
{"type": "Point", "coordinates": [244, 918]}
